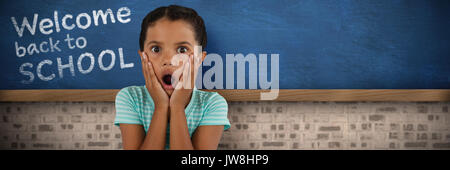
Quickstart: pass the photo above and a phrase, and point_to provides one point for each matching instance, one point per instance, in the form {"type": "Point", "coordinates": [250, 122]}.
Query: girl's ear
{"type": "Point", "coordinates": [203, 56]}
{"type": "Point", "coordinates": [140, 52]}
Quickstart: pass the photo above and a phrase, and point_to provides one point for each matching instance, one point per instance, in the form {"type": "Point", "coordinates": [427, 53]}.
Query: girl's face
{"type": "Point", "coordinates": [164, 40]}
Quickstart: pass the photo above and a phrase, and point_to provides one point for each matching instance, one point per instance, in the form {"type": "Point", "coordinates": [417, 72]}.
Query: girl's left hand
{"type": "Point", "coordinates": [181, 95]}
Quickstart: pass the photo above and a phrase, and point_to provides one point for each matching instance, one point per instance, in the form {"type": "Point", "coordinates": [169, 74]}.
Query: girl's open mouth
{"type": "Point", "coordinates": [167, 82]}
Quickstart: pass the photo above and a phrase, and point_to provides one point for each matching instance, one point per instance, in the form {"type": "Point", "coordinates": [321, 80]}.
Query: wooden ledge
{"type": "Point", "coordinates": [108, 95]}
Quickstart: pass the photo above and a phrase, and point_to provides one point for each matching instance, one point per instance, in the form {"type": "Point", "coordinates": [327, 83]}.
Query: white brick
{"type": "Point", "coordinates": [34, 118]}
{"type": "Point", "coordinates": [105, 118]}
{"type": "Point", "coordinates": [409, 108]}
{"type": "Point", "coordinates": [92, 127]}
{"type": "Point", "coordinates": [309, 145]}
{"type": "Point", "coordinates": [255, 136]}
{"type": "Point", "coordinates": [338, 118]}
{"type": "Point", "coordinates": [104, 108]}
{"type": "Point", "coordinates": [282, 118]}
{"type": "Point", "coordinates": [410, 117]}
{"type": "Point", "coordinates": [294, 145]}
{"type": "Point", "coordinates": [253, 124]}
{"type": "Point", "coordinates": [66, 145]}
{"type": "Point", "coordinates": [440, 108]}
{"type": "Point", "coordinates": [62, 118]}
{"type": "Point", "coordinates": [394, 117]}
{"type": "Point", "coordinates": [264, 118]}
{"type": "Point", "coordinates": [266, 127]}
{"type": "Point", "coordinates": [301, 107]}
{"type": "Point", "coordinates": [3, 107]}
{"type": "Point", "coordinates": [387, 108]}
{"type": "Point", "coordinates": [85, 136]}
{"type": "Point", "coordinates": [329, 108]}
{"type": "Point", "coordinates": [45, 136]}
{"type": "Point", "coordinates": [49, 118]}
{"type": "Point", "coordinates": [70, 108]}
{"type": "Point", "coordinates": [62, 136]}
{"type": "Point", "coordinates": [309, 136]}
{"type": "Point", "coordinates": [23, 118]}
{"type": "Point", "coordinates": [352, 136]}
{"type": "Point", "coordinates": [360, 108]}
{"type": "Point", "coordinates": [253, 127]}
{"type": "Point", "coordinates": [89, 118]}
{"type": "Point", "coordinates": [353, 118]}
{"type": "Point", "coordinates": [24, 136]}
{"type": "Point", "coordinates": [14, 108]}
{"type": "Point", "coordinates": [40, 108]}
{"type": "Point", "coordinates": [15, 127]}
{"type": "Point", "coordinates": [238, 136]}
{"type": "Point", "coordinates": [382, 145]}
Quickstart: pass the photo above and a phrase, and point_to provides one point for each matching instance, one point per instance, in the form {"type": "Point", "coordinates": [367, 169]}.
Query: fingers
{"type": "Point", "coordinates": [186, 76]}
{"type": "Point", "coordinates": [179, 84]}
{"type": "Point", "coordinates": [190, 70]}
{"type": "Point", "coordinates": [149, 66]}
{"type": "Point", "coordinates": [148, 70]}
{"type": "Point", "coordinates": [183, 76]}
{"type": "Point", "coordinates": [144, 67]}
{"type": "Point", "coordinates": [194, 70]}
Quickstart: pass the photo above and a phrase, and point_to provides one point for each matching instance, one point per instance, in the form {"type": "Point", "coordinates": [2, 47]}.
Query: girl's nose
{"type": "Point", "coordinates": [167, 63]}
{"type": "Point", "coordinates": [167, 60]}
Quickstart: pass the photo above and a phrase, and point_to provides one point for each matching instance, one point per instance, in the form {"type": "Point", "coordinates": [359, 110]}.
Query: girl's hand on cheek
{"type": "Point", "coordinates": [159, 96]}
{"type": "Point", "coordinates": [181, 96]}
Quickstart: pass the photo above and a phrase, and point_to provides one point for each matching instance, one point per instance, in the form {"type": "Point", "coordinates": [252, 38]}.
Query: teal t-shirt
{"type": "Point", "coordinates": [134, 105]}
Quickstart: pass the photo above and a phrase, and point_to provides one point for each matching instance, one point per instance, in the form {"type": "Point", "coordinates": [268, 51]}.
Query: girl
{"type": "Point", "coordinates": [166, 113]}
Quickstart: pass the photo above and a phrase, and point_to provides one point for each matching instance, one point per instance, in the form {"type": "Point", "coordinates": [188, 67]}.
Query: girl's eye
{"type": "Point", "coordinates": [182, 49]}
{"type": "Point", "coordinates": [155, 49]}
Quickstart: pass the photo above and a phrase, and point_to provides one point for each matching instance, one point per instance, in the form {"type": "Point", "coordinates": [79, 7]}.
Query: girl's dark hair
{"type": "Point", "coordinates": [173, 13]}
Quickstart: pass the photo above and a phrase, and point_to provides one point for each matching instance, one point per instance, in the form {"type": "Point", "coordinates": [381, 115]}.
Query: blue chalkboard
{"type": "Point", "coordinates": [322, 44]}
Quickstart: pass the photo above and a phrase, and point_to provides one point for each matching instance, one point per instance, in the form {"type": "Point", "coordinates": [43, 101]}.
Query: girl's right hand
{"type": "Point", "coordinates": [158, 94]}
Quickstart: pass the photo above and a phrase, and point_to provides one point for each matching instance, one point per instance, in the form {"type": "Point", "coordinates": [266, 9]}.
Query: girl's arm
{"type": "Point", "coordinates": [207, 137]}
{"type": "Point", "coordinates": [179, 133]}
{"type": "Point", "coordinates": [180, 138]}
{"type": "Point", "coordinates": [204, 138]}
{"type": "Point", "coordinates": [156, 136]}
{"type": "Point", "coordinates": [134, 137]}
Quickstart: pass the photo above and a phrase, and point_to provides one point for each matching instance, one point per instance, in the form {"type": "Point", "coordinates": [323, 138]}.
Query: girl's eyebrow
{"type": "Point", "coordinates": [153, 42]}
{"type": "Point", "coordinates": [183, 42]}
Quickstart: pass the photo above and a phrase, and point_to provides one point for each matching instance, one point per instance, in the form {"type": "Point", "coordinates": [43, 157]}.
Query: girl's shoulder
{"type": "Point", "coordinates": [207, 97]}
{"type": "Point", "coordinates": [141, 94]}
{"type": "Point", "coordinates": [138, 93]}
{"type": "Point", "coordinates": [133, 90]}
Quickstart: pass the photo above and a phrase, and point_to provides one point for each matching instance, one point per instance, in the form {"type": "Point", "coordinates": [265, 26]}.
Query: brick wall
{"type": "Point", "coordinates": [255, 125]}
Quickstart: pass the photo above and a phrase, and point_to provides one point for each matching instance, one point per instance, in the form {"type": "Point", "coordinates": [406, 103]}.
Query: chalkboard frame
{"type": "Point", "coordinates": [375, 24]}
{"type": "Point", "coordinates": [359, 51]}
{"type": "Point", "coordinates": [336, 95]}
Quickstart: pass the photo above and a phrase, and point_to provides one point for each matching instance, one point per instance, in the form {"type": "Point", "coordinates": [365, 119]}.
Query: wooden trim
{"type": "Point", "coordinates": [108, 95]}
{"type": "Point", "coordinates": [58, 95]}
{"type": "Point", "coordinates": [342, 95]}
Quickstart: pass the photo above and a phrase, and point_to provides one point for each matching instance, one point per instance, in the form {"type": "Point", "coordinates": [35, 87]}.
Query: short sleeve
{"type": "Point", "coordinates": [216, 111]}
{"type": "Point", "coordinates": [125, 109]}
